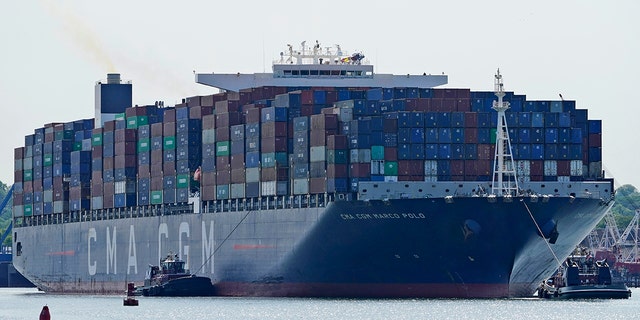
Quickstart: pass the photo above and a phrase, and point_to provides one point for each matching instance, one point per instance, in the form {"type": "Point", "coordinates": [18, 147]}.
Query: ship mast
{"type": "Point", "coordinates": [504, 172]}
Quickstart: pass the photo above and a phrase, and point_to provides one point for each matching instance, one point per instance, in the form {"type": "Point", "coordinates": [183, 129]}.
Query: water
{"type": "Point", "coordinates": [22, 304]}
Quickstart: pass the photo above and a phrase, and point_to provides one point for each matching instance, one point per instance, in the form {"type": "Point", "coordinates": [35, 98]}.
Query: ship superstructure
{"type": "Point", "coordinates": [314, 183]}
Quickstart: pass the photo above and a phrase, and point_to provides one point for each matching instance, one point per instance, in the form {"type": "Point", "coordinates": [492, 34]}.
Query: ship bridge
{"type": "Point", "coordinates": [315, 67]}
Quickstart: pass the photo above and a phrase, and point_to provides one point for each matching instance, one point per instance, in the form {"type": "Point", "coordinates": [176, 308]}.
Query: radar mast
{"type": "Point", "coordinates": [504, 170]}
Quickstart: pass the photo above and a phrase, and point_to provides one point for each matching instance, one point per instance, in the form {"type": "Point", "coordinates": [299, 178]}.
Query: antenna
{"type": "Point", "coordinates": [504, 170]}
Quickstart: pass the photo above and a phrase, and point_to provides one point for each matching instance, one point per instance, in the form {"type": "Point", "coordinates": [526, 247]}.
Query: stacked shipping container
{"type": "Point", "coordinates": [272, 141]}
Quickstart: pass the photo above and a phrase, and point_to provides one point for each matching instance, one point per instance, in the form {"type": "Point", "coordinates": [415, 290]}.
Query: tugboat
{"type": "Point", "coordinates": [582, 277]}
{"type": "Point", "coordinates": [171, 279]}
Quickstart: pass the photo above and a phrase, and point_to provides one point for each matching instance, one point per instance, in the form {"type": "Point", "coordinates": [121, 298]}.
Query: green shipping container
{"type": "Point", "coordinates": [96, 139]}
{"type": "Point", "coordinates": [47, 160]}
{"type": "Point", "coordinates": [136, 121]}
{"type": "Point", "coordinates": [169, 143]}
{"type": "Point", "coordinates": [377, 152]}
{"type": "Point", "coordinates": [77, 146]}
{"type": "Point", "coordinates": [143, 145]}
{"type": "Point", "coordinates": [27, 175]}
{"type": "Point", "coordinates": [337, 156]}
{"type": "Point", "coordinates": [222, 192]}
{"type": "Point", "coordinates": [223, 148]}
{"type": "Point", "coordinates": [156, 197]}
{"type": "Point", "coordinates": [120, 116]}
{"type": "Point", "coordinates": [269, 160]}
{"type": "Point", "coordinates": [64, 135]}
{"type": "Point", "coordinates": [28, 210]}
{"type": "Point", "coordinates": [182, 181]}
{"type": "Point", "coordinates": [390, 168]}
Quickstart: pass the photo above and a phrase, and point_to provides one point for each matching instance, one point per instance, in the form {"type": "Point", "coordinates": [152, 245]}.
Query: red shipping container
{"type": "Point", "coordinates": [169, 115]}
{"type": "Point", "coordinates": [124, 135]}
{"type": "Point", "coordinates": [227, 106]}
{"type": "Point", "coordinates": [252, 115]}
{"type": "Point", "coordinates": [595, 140]}
{"type": "Point", "coordinates": [317, 185]}
{"type": "Point", "coordinates": [223, 177]}
{"type": "Point", "coordinates": [169, 169]}
{"type": "Point", "coordinates": [486, 151]}
{"type": "Point", "coordinates": [471, 135]}
{"type": "Point", "coordinates": [448, 105]}
{"type": "Point", "coordinates": [208, 192]}
{"type": "Point", "coordinates": [157, 129]}
{"type": "Point", "coordinates": [18, 153]}
{"type": "Point", "coordinates": [337, 170]}
{"type": "Point", "coordinates": [317, 138]}
{"type": "Point", "coordinates": [306, 97]}
{"type": "Point", "coordinates": [360, 170]}
{"type": "Point", "coordinates": [274, 129]}
{"type": "Point", "coordinates": [37, 185]}
{"type": "Point", "coordinates": [390, 154]}
{"type": "Point", "coordinates": [199, 112]}
{"type": "Point", "coordinates": [27, 186]}
{"type": "Point", "coordinates": [457, 167]}
{"type": "Point", "coordinates": [223, 134]}
{"type": "Point", "coordinates": [223, 162]}
{"type": "Point", "coordinates": [324, 122]}
{"type": "Point", "coordinates": [144, 171]}
{"type": "Point", "coordinates": [410, 167]}
{"type": "Point", "coordinates": [564, 167]}
{"type": "Point", "coordinates": [536, 168]}
{"type": "Point", "coordinates": [463, 105]}
{"type": "Point", "coordinates": [208, 178]}
{"type": "Point", "coordinates": [125, 148]}
{"type": "Point", "coordinates": [208, 122]}
{"type": "Point", "coordinates": [273, 144]}
{"type": "Point", "coordinates": [238, 176]}
{"type": "Point", "coordinates": [169, 129]}
{"type": "Point", "coordinates": [271, 174]}
{"type": "Point", "coordinates": [471, 120]}
{"type": "Point", "coordinates": [108, 126]}
{"type": "Point", "coordinates": [435, 105]}
{"type": "Point", "coordinates": [337, 142]}
{"type": "Point", "coordinates": [17, 176]}
{"type": "Point", "coordinates": [107, 163]}
{"type": "Point", "coordinates": [124, 161]}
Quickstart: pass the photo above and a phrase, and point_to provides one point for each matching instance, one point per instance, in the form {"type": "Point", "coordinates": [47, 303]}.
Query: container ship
{"type": "Point", "coordinates": [320, 179]}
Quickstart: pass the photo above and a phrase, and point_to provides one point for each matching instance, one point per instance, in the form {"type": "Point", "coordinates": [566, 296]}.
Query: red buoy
{"type": "Point", "coordinates": [44, 314]}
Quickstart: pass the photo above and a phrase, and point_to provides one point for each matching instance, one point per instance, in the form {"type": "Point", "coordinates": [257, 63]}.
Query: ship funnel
{"type": "Point", "coordinates": [111, 98]}
{"type": "Point", "coordinates": [113, 78]}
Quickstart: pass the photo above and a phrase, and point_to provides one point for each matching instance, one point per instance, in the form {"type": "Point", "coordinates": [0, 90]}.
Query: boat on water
{"type": "Point", "coordinates": [320, 179]}
{"type": "Point", "coordinates": [583, 277]}
{"type": "Point", "coordinates": [171, 279]}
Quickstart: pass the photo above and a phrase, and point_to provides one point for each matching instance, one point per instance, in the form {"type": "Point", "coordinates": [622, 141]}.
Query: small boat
{"type": "Point", "coordinates": [171, 279]}
{"type": "Point", "coordinates": [582, 277]}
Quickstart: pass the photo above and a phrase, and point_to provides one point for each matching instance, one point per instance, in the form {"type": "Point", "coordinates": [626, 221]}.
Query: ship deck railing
{"type": "Point", "coordinates": [156, 210]}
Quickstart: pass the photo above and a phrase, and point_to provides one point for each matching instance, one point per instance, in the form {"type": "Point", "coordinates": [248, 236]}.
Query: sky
{"type": "Point", "coordinates": [53, 53]}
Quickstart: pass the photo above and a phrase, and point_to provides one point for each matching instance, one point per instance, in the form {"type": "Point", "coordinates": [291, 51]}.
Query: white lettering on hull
{"type": "Point", "coordinates": [184, 250]}
{"type": "Point", "coordinates": [163, 229]}
{"type": "Point", "coordinates": [207, 247]}
{"type": "Point", "coordinates": [133, 260]}
{"type": "Point", "coordinates": [111, 252]}
{"type": "Point", "coordinates": [92, 265]}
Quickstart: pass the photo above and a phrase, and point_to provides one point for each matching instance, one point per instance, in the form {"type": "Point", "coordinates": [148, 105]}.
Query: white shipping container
{"type": "Point", "coordinates": [595, 169]}
{"type": "Point", "coordinates": [576, 168]}
{"type": "Point", "coordinates": [345, 114]}
{"type": "Point", "coordinates": [391, 178]}
{"type": "Point", "coordinates": [17, 165]}
{"type": "Point", "coordinates": [60, 206]}
{"type": "Point", "coordinates": [318, 154]}
{"type": "Point", "coordinates": [237, 190]}
{"type": "Point", "coordinates": [272, 188]}
{"type": "Point", "coordinates": [360, 155]}
{"type": "Point", "coordinates": [124, 187]}
{"type": "Point", "coordinates": [18, 211]}
{"type": "Point", "coordinates": [431, 178]}
{"type": "Point", "coordinates": [550, 168]}
{"type": "Point", "coordinates": [523, 168]}
{"type": "Point", "coordinates": [523, 178]}
{"type": "Point", "coordinates": [86, 145]}
{"type": "Point", "coordinates": [47, 196]}
{"type": "Point", "coordinates": [27, 163]}
{"type": "Point", "coordinates": [300, 186]}
{"type": "Point", "coordinates": [430, 168]}
{"type": "Point", "coordinates": [208, 136]}
{"type": "Point", "coordinates": [96, 203]}
{"type": "Point", "coordinates": [377, 166]}
{"type": "Point", "coordinates": [252, 175]}
{"type": "Point", "coordinates": [564, 178]}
